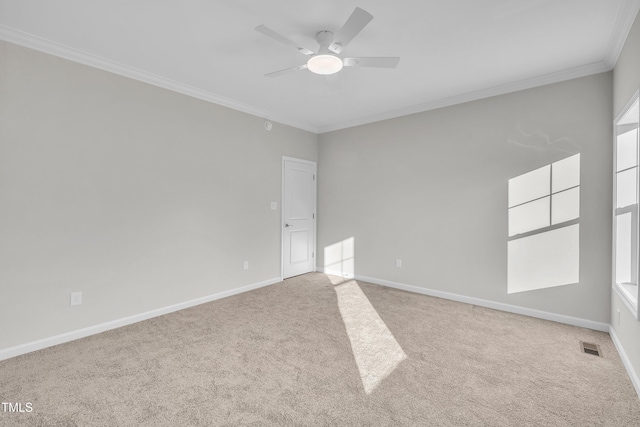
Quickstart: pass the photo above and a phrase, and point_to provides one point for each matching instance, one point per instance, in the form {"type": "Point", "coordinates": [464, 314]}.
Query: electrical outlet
{"type": "Point", "coordinates": [618, 316]}
{"type": "Point", "coordinates": [76, 298]}
{"type": "Point", "coordinates": [245, 266]}
{"type": "Point", "coordinates": [398, 262]}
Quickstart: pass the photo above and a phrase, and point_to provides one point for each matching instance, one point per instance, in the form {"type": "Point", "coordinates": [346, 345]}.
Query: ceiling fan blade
{"type": "Point", "coordinates": [377, 62]}
{"type": "Point", "coordinates": [356, 22]}
{"type": "Point", "coordinates": [285, 71]}
{"type": "Point", "coordinates": [282, 39]}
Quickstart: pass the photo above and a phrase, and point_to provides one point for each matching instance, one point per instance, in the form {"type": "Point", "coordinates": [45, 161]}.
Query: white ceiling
{"type": "Point", "coordinates": [451, 50]}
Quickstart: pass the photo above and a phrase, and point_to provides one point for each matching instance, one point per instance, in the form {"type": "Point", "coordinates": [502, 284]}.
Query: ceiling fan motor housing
{"type": "Point", "coordinates": [326, 60]}
{"type": "Point", "coordinates": [324, 39]}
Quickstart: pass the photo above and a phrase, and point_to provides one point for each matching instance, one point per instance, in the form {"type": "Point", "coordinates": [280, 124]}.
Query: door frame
{"type": "Point", "coordinates": [315, 210]}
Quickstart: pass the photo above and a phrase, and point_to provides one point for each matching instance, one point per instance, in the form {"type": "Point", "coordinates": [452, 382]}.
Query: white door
{"type": "Point", "coordinates": [298, 216]}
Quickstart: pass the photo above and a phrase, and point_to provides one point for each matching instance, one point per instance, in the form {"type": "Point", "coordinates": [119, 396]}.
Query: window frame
{"type": "Point", "coordinates": [628, 292]}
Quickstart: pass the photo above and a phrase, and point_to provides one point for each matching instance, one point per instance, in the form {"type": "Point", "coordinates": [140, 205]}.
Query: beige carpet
{"type": "Point", "coordinates": [305, 352]}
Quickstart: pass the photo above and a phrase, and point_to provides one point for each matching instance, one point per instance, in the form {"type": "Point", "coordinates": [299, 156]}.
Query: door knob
{"type": "Point", "coordinates": [288, 225]}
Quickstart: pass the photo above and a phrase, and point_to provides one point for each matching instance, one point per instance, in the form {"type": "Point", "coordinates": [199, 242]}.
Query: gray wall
{"type": "Point", "coordinates": [431, 189]}
{"type": "Point", "coordinates": [136, 196]}
{"type": "Point", "coordinates": [142, 198]}
{"type": "Point", "coordinates": [625, 83]}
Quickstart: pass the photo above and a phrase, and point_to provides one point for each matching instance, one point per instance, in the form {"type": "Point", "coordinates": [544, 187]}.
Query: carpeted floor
{"type": "Point", "coordinates": [306, 352]}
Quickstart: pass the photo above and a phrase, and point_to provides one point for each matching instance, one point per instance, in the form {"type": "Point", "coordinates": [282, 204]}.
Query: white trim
{"type": "Point", "coordinates": [625, 110]}
{"type": "Point", "coordinates": [624, 21]}
{"type": "Point", "coordinates": [96, 329]}
{"type": "Point", "coordinates": [631, 305]}
{"type": "Point", "coordinates": [633, 376]}
{"type": "Point", "coordinates": [53, 48]}
{"type": "Point", "coordinates": [560, 318]}
{"type": "Point", "coordinates": [557, 77]}
{"type": "Point", "coordinates": [34, 42]}
{"type": "Point", "coordinates": [625, 299]}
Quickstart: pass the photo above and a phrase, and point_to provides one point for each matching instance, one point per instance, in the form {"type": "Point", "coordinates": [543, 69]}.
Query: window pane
{"type": "Point", "coordinates": [544, 260]}
{"type": "Point", "coordinates": [565, 173]}
{"type": "Point", "coordinates": [627, 150]}
{"type": "Point", "coordinates": [565, 206]}
{"type": "Point", "coordinates": [626, 191]}
{"type": "Point", "coordinates": [530, 186]}
{"type": "Point", "coordinates": [623, 248]}
{"type": "Point", "coordinates": [530, 216]}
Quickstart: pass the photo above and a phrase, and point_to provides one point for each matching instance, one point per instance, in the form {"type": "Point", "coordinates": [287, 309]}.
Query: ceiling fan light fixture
{"type": "Point", "coordinates": [324, 64]}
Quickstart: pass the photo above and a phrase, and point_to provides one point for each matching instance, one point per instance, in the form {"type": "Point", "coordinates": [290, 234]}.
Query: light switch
{"type": "Point", "coordinates": [274, 206]}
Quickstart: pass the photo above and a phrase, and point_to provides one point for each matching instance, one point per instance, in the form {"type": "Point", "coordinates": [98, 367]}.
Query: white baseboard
{"type": "Point", "coordinates": [96, 329]}
{"type": "Point", "coordinates": [625, 360]}
{"type": "Point", "coordinates": [560, 318]}
{"type": "Point", "coordinates": [574, 321]}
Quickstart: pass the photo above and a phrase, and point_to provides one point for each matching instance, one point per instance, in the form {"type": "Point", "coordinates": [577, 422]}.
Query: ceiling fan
{"type": "Point", "coordinates": [327, 60]}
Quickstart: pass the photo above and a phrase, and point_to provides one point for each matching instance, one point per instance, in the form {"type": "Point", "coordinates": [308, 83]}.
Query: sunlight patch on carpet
{"type": "Point", "coordinates": [376, 351]}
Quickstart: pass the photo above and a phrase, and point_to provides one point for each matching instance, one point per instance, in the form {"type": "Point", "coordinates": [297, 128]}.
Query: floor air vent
{"type": "Point", "coordinates": [590, 348]}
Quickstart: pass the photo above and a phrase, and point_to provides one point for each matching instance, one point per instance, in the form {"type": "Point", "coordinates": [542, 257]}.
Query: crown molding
{"type": "Point", "coordinates": [624, 21]}
{"type": "Point", "coordinates": [31, 41]}
{"type": "Point", "coordinates": [560, 76]}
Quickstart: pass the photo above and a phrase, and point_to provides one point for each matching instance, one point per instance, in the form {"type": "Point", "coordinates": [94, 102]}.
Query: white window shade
{"type": "Point", "coordinates": [626, 188]}
{"type": "Point", "coordinates": [623, 248]}
{"type": "Point", "coordinates": [625, 215]}
{"type": "Point", "coordinates": [627, 150]}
